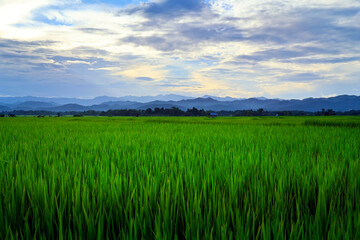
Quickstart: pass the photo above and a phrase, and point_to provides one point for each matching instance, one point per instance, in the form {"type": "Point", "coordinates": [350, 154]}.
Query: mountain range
{"type": "Point", "coordinates": [104, 103]}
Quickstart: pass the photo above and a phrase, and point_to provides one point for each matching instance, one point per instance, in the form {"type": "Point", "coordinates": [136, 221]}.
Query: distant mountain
{"type": "Point", "coordinates": [146, 99]}
{"type": "Point", "coordinates": [17, 100]}
{"type": "Point", "coordinates": [32, 105]}
{"type": "Point", "coordinates": [338, 103]}
{"type": "Point", "coordinates": [261, 98]}
{"type": "Point", "coordinates": [116, 105]}
{"type": "Point", "coordinates": [68, 108]}
{"type": "Point", "coordinates": [4, 108]}
{"type": "Point", "coordinates": [88, 102]}
{"type": "Point", "coordinates": [221, 98]}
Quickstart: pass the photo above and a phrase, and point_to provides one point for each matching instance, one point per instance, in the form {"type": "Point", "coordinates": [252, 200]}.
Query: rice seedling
{"type": "Point", "coordinates": [180, 178]}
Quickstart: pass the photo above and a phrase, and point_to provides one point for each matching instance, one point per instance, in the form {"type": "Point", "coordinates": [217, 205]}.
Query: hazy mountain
{"type": "Point", "coordinates": [261, 98]}
{"type": "Point", "coordinates": [224, 99]}
{"type": "Point", "coordinates": [93, 101]}
{"type": "Point", "coordinates": [338, 103]}
{"type": "Point", "coordinates": [116, 105]}
{"type": "Point", "coordinates": [146, 99]}
{"type": "Point", "coordinates": [158, 104]}
{"type": "Point", "coordinates": [32, 105]}
{"type": "Point", "coordinates": [17, 100]}
{"type": "Point", "coordinates": [69, 107]}
{"type": "Point", "coordinates": [4, 108]}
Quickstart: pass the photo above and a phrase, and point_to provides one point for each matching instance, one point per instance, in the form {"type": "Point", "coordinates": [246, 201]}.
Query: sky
{"type": "Point", "coordinates": [238, 48]}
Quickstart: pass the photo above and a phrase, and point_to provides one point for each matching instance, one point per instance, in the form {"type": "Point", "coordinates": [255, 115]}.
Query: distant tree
{"type": "Point", "coordinates": [331, 112]}
{"type": "Point", "coordinates": [148, 111]}
{"type": "Point", "coordinates": [195, 112]}
{"type": "Point", "coordinates": [174, 111]}
{"type": "Point", "coordinates": [249, 112]}
{"type": "Point", "coordinates": [260, 111]}
{"type": "Point", "coordinates": [90, 113]}
{"type": "Point", "coordinates": [157, 111]}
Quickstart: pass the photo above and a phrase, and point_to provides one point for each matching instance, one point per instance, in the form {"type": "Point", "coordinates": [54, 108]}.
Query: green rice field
{"type": "Point", "coordinates": [180, 178]}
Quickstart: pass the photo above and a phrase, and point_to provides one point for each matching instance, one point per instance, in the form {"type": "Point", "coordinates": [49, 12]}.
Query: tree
{"type": "Point", "coordinates": [148, 111]}
{"type": "Point", "coordinates": [260, 111]}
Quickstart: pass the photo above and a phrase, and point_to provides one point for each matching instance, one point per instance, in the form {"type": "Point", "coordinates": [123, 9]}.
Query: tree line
{"type": "Point", "coordinates": [174, 111]}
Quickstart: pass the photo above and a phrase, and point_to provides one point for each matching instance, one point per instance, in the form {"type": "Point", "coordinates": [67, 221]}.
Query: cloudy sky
{"type": "Point", "coordinates": [239, 48]}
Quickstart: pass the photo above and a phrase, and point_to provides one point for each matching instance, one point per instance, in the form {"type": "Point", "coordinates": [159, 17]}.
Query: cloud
{"type": "Point", "coordinates": [138, 71]}
{"type": "Point", "coordinates": [330, 60]}
{"type": "Point", "coordinates": [145, 78]}
{"type": "Point", "coordinates": [168, 8]}
{"type": "Point", "coordinates": [68, 62]}
{"type": "Point", "coordinates": [300, 77]}
{"type": "Point", "coordinates": [11, 43]}
{"type": "Point", "coordinates": [310, 25]}
{"type": "Point", "coordinates": [222, 47]}
{"type": "Point", "coordinates": [18, 11]}
{"type": "Point", "coordinates": [284, 54]}
{"type": "Point", "coordinates": [94, 30]}
{"type": "Point", "coordinates": [157, 42]}
{"type": "Point", "coordinates": [89, 51]}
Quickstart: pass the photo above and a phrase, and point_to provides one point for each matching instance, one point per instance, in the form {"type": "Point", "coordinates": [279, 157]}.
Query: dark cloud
{"type": "Point", "coordinates": [49, 67]}
{"type": "Point", "coordinates": [44, 51]}
{"type": "Point", "coordinates": [168, 8]}
{"type": "Point", "coordinates": [238, 62]}
{"type": "Point", "coordinates": [214, 32]}
{"type": "Point", "coordinates": [308, 25]}
{"type": "Point", "coordinates": [9, 43]}
{"type": "Point", "coordinates": [37, 57]}
{"type": "Point", "coordinates": [263, 37]}
{"type": "Point", "coordinates": [297, 26]}
{"type": "Point", "coordinates": [327, 60]}
{"type": "Point", "coordinates": [285, 54]}
{"type": "Point", "coordinates": [301, 77]}
{"type": "Point", "coordinates": [188, 36]}
{"type": "Point", "coordinates": [12, 51]}
{"type": "Point", "coordinates": [164, 43]}
{"type": "Point", "coordinates": [64, 59]}
{"type": "Point", "coordinates": [17, 56]}
{"type": "Point", "coordinates": [306, 30]}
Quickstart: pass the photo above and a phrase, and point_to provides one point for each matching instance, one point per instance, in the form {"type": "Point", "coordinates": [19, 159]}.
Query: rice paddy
{"type": "Point", "coordinates": [180, 178]}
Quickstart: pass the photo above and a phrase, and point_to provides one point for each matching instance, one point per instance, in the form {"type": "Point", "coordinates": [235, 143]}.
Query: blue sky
{"type": "Point", "coordinates": [276, 49]}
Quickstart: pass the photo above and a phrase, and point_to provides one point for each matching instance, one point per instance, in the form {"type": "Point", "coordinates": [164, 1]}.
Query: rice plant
{"type": "Point", "coordinates": [180, 178]}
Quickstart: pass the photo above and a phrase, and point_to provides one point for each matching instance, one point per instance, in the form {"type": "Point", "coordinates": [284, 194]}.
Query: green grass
{"type": "Point", "coordinates": [180, 178]}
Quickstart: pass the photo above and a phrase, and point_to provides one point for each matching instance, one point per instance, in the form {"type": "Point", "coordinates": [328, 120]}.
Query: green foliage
{"type": "Point", "coordinates": [180, 178]}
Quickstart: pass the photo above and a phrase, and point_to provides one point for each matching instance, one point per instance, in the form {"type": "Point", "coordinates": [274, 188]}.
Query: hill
{"type": "Point", "coordinates": [338, 103]}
